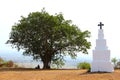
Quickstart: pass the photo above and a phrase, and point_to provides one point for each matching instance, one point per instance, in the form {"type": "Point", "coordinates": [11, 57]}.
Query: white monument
{"type": "Point", "coordinates": [101, 55]}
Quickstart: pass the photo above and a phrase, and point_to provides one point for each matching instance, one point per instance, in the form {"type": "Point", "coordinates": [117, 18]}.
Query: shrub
{"type": "Point", "coordinates": [1, 60]}
{"type": "Point", "coordinates": [83, 65]}
{"type": "Point", "coordinates": [16, 66]}
{"type": "Point", "coordinates": [9, 63]}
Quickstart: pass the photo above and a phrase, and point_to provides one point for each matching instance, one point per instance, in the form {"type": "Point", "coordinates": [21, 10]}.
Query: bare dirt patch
{"type": "Point", "coordinates": [30, 74]}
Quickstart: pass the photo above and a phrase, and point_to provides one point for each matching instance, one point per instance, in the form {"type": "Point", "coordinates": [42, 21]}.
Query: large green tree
{"type": "Point", "coordinates": [48, 37]}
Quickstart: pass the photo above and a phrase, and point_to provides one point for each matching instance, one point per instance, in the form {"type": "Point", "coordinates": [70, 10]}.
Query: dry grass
{"type": "Point", "coordinates": [30, 74]}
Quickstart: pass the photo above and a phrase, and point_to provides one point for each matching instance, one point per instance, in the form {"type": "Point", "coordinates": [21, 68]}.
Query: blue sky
{"type": "Point", "coordinates": [86, 14]}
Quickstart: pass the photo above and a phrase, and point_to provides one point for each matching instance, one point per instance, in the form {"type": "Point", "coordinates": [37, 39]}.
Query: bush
{"type": "Point", "coordinates": [83, 65]}
{"type": "Point", "coordinates": [10, 63]}
{"type": "Point", "coordinates": [4, 63]}
{"type": "Point", "coordinates": [16, 66]}
{"type": "Point", "coordinates": [1, 60]}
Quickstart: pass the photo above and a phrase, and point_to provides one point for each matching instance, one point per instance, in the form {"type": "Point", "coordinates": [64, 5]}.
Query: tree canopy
{"type": "Point", "coordinates": [48, 37]}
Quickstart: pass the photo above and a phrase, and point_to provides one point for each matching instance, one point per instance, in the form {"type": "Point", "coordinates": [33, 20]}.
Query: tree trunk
{"type": "Point", "coordinates": [46, 61]}
{"type": "Point", "coordinates": [46, 64]}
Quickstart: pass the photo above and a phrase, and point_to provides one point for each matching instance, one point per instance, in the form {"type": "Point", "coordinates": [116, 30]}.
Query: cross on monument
{"type": "Point", "coordinates": [100, 25]}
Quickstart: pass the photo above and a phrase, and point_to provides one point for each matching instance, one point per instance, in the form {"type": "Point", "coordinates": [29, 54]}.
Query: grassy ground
{"type": "Point", "coordinates": [31, 74]}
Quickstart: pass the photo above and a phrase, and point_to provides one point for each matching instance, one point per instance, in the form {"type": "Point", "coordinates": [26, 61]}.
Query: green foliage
{"type": "Point", "coordinates": [9, 63]}
{"type": "Point", "coordinates": [16, 66]}
{"type": "Point", "coordinates": [1, 60]}
{"type": "Point", "coordinates": [83, 65]}
{"type": "Point", "coordinates": [118, 65]}
{"type": "Point", "coordinates": [57, 62]}
{"type": "Point", "coordinates": [44, 36]}
{"type": "Point", "coordinates": [114, 61]}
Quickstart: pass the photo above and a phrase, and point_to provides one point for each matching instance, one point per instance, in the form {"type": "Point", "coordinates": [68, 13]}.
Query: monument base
{"type": "Point", "coordinates": [102, 67]}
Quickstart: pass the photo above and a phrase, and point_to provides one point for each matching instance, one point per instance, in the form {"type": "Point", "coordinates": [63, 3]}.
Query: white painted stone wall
{"type": "Point", "coordinates": [101, 55]}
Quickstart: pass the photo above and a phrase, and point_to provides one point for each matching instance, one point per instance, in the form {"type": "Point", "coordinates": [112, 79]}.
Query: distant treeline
{"type": "Point", "coordinates": [4, 64]}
